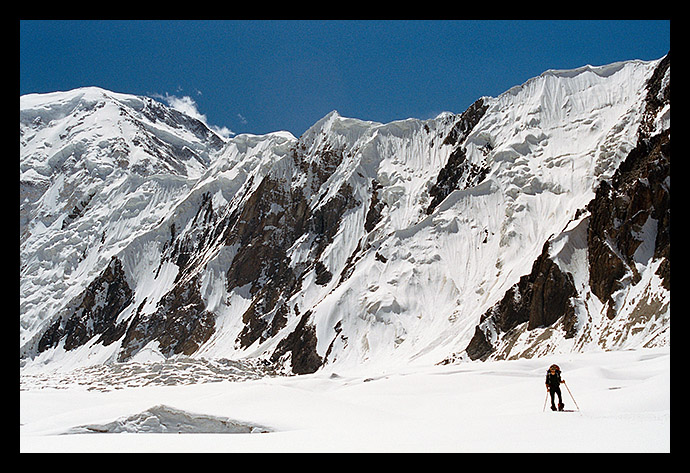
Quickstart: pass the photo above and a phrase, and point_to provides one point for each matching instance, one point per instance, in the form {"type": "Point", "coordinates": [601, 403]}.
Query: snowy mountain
{"type": "Point", "coordinates": [535, 222]}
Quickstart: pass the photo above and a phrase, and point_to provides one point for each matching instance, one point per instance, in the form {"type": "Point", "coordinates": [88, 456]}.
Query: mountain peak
{"type": "Point", "coordinates": [359, 242]}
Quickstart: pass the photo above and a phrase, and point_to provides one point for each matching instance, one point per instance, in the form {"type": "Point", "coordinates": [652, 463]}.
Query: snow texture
{"type": "Point", "coordinates": [106, 175]}
{"type": "Point", "coordinates": [545, 145]}
{"type": "Point", "coordinates": [494, 406]}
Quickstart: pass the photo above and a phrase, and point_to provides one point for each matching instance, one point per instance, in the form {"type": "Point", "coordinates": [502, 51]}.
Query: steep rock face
{"type": "Point", "coordinates": [459, 173]}
{"type": "Point", "coordinates": [94, 313]}
{"type": "Point", "coordinates": [360, 241]}
{"type": "Point", "coordinates": [179, 326]}
{"type": "Point", "coordinates": [634, 204]}
{"type": "Point", "coordinates": [275, 217]}
{"type": "Point", "coordinates": [300, 347]}
{"type": "Point", "coordinates": [540, 299]}
{"type": "Point", "coordinates": [627, 229]}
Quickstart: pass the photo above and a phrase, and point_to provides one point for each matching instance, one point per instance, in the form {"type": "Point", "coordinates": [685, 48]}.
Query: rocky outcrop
{"type": "Point", "coordinates": [624, 212]}
{"type": "Point", "coordinates": [300, 347]}
{"type": "Point", "coordinates": [540, 299]}
{"type": "Point", "coordinates": [459, 173]}
{"type": "Point", "coordinates": [180, 324]}
{"type": "Point", "coordinates": [635, 204]}
{"type": "Point", "coordinates": [92, 313]}
{"type": "Point", "coordinates": [628, 226]}
{"type": "Point", "coordinates": [271, 221]}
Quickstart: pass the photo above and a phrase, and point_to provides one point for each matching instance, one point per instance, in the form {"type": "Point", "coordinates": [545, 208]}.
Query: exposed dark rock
{"type": "Point", "coordinates": [274, 217]}
{"type": "Point", "coordinates": [93, 313]}
{"type": "Point", "coordinates": [479, 347]}
{"type": "Point", "coordinates": [375, 208]}
{"type": "Point", "coordinates": [264, 235]}
{"type": "Point", "coordinates": [323, 275]}
{"type": "Point", "coordinates": [267, 313]}
{"type": "Point", "coordinates": [77, 211]}
{"type": "Point", "coordinates": [467, 121]}
{"type": "Point", "coordinates": [658, 95]}
{"type": "Point", "coordinates": [349, 266]}
{"type": "Point", "coordinates": [180, 324]}
{"type": "Point", "coordinates": [325, 220]}
{"type": "Point", "coordinates": [552, 291]}
{"type": "Point", "coordinates": [639, 191]}
{"type": "Point", "coordinates": [541, 298]}
{"type": "Point", "coordinates": [301, 344]}
{"type": "Point", "coordinates": [338, 334]}
{"type": "Point", "coordinates": [458, 173]}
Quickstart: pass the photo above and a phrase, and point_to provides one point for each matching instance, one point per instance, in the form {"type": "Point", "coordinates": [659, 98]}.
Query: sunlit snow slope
{"type": "Point", "coordinates": [144, 235]}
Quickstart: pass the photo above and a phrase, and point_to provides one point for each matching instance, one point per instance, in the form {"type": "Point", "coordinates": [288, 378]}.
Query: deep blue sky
{"type": "Point", "coordinates": [263, 76]}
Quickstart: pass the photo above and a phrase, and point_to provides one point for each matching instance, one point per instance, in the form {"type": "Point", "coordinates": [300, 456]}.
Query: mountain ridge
{"type": "Point", "coordinates": [359, 242]}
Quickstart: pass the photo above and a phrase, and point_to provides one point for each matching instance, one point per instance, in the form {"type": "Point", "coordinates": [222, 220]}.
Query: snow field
{"type": "Point", "coordinates": [624, 399]}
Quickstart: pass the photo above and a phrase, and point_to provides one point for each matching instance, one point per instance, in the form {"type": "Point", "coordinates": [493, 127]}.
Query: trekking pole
{"type": "Point", "coordinates": [545, 399]}
{"type": "Point", "coordinates": [571, 395]}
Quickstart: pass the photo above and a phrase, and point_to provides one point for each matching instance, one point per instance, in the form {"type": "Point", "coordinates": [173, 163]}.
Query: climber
{"type": "Point", "coordinates": [553, 385]}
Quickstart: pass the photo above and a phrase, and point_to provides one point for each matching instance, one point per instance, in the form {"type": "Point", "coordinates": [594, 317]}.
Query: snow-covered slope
{"type": "Point", "coordinates": [603, 279]}
{"type": "Point", "coordinates": [143, 235]}
{"type": "Point", "coordinates": [97, 170]}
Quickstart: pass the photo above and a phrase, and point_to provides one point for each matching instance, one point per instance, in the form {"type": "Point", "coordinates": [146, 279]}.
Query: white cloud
{"type": "Point", "coordinates": [188, 106]}
{"type": "Point", "coordinates": [222, 131]}
{"type": "Point", "coordinates": [185, 105]}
